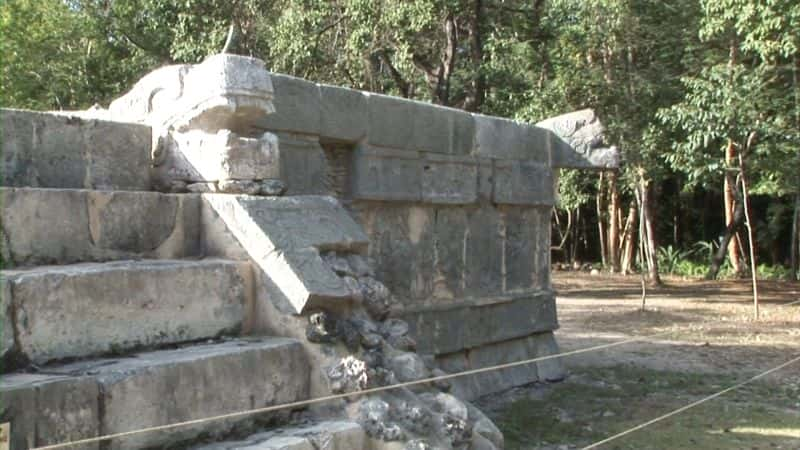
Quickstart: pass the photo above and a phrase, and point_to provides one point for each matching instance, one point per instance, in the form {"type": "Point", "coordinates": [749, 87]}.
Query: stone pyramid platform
{"type": "Point", "coordinates": [154, 273]}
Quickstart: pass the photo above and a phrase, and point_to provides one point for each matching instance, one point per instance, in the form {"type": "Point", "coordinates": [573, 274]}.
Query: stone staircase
{"type": "Point", "coordinates": [327, 435]}
{"type": "Point", "coordinates": [127, 308]}
{"type": "Point", "coordinates": [116, 316]}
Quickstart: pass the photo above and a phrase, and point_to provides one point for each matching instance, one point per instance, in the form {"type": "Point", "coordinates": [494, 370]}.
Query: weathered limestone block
{"type": "Point", "coordinates": [506, 139]}
{"type": "Point", "coordinates": [298, 223]}
{"type": "Point", "coordinates": [385, 174]}
{"type": "Point", "coordinates": [449, 180]}
{"type": "Point", "coordinates": [391, 121]}
{"type": "Point", "coordinates": [128, 304]}
{"type": "Point", "coordinates": [523, 183]}
{"type": "Point", "coordinates": [519, 349]}
{"type": "Point", "coordinates": [462, 141]}
{"type": "Point", "coordinates": [432, 128]}
{"type": "Point", "coordinates": [538, 219]}
{"type": "Point", "coordinates": [274, 371]}
{"type": "Point", "coordinates": [550, 369]}
{"type": "Point", "coordinates": [344, 114]}
{"type": "Point", "coordinates": [49, 409]}
{"type": "Point", "coordinates": [518, 250]}
{"type": "Point", "coordinates": [427, 253]}
{"type": "Point", "coordinates": [453, 327]}
{"type": "Point", "coordinates": [304, 279]}
{"type": "Point", "coordinates": [284, 236]}
{"type": "Point", "coordinates": [485, 179]}
{"type": "Point", "coordinates": [221, 156]}
{"type": "Point", "coordinates": [107, 396]}
{"type": "Point", "coordinates": [297, 106]}
{"type": "Point", "coordinates": [64, 226]}
{"type": "Point", "coordinates": [483, 254]}
{"type": "Point", "coordinates": [303, 165]}
{"type": "Point", "coordinates": [6, 325]}
{"type": "Point", "coordinates": [58, 151]}
{"type": "Point", "coordinates": [206, 120]}
{"type": "Point", "coordinates": [328, 435]}
{"type": "Point", "coordinates": [451, 231]}
{"type": "Point", "coordinates": [225, 91]}
{"type": "Point", "coordinates": [402, 246]}
{"type": "Point", "coordinates": [578, 141]}
{"type": "Point", "coordinates": [410, 125]}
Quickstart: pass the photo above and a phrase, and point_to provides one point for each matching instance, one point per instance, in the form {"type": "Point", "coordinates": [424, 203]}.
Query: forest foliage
{"type": "Point", "coordinates": [699, 95]}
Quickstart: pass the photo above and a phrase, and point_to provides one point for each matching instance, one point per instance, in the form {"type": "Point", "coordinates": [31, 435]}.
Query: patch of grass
{"type": "Point", "coordinates": [599, 402]}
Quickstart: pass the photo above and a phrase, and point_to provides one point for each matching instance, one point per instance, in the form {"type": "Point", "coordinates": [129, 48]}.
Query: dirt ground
{"type": "Point", "coordinates": [713, 342]}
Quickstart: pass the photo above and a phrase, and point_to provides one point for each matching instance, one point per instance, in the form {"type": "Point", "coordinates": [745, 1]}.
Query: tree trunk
{"type": "Point", "coordinates": [476, 98]}
{"type": "Point", "coordinates": [734, 245]}
{"type": "Point", "coordinates": [794, 252]}
{"type": "Point", "coordinates": [651, 244]}
{"type": "Point", "coordinates": [730, 229]}
{"type": "Point", "coordinates": [795, 249]}
{"type": "Point", "coordinates": [642, 252]}
{"type": "Point", "coordinates": [631, 224]}
{"type": "Point", "coordinates": [576, 236]}
{"type": "Point", "coordinates": [614, 223]}
{"type": "Point", "coordinates": [734, 248]}
{"type": "Point", "coordinates": [601, 223]}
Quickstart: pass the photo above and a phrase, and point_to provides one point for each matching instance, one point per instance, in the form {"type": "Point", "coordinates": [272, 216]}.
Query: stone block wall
{"type": "Point", "coordinates": [457, 208]}
{"type": "Point", "coordinates": [456, 205]}
{"type": "Point", "coordinates": [59, 151]}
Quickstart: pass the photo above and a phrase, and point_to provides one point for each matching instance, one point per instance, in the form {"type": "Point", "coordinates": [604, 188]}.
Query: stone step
{"type": "Point", "coordinates": [65, 226]}
{"type": "Point", "coordinates": [61, 151]}
{"type": "Point", "coordinates": [329, 435]}
{"type": "Point", "coordinates": [107, 396]}
{"type": "Point", "coordinates": [87, 309]}
{"type": "Point", "coordinates": [284, 237]}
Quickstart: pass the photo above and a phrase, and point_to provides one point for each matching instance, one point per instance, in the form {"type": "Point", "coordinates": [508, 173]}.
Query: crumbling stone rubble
{"type": "Point", "coordinates": [381, 353]}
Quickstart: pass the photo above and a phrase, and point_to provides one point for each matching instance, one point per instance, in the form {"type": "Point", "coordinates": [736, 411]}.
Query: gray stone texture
{"type": "Point", "coordinates": [96, 308]}
{"type": "Point", "coordinates": [344, 114]}
{"type": "Point", "coordinates": [432, 128]}
{"type": "Point", "coordinates": [197, 156]}
{"type": "Point", "coordinates": [507, 139]}
{"type": "Point", "coordinates": [538, 222]}
{"type": "Point", "coordinates": [428, 254]}
{"type": "Point", "coordinates": [483, 253]}
{"type": "Point", "coordinates": [297, 106]}
{"type": "Point", "coordinates": [303, 164]}
{"type": "Point", "coordinates": [453, 327]}
{"type": "Point", "coordinates": [411, 125]}
{"type": "Point", "coordinates": [449, 179]}
{"type": "Point", "coordinates": [401, 244]}
{"type": "Point", "coordinates": [462, 141]}
{"type": "Point", "coordinates": [6, 325]}
{"type": "Point", "coordinates": [518, 250]}
{"type": "Point", "coordinates": [156, 388]}
{"type": "Point", "coordinates": [386, 174]}
{"type": "Point", "coordinates": [485, 179]}
{"type": "Point", "coordinates": [63, 226]}
{"type": "Point", "coordinates": [329, 435]}
{"type": "Point", "coordinates": [58, 151]}
{"type": "Point", "coordinates": [283, 236]}
{"type": "Point", "coordinates": [50, 409]}
{"type": "Point", "coordinates": [225, 91]}
{"type": "Point", "coordinates": [523, 183]}
{"type": "Point", "coordinates": [293, 223]}
{"type": "Point", "coordinates": [519, 349]}
{"type": "Point", "coordinates": [577, 141]}
{"type": "Point", "coordinates": [451, 233]}
{"type": "Point", "coordinates": [391, 121]}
